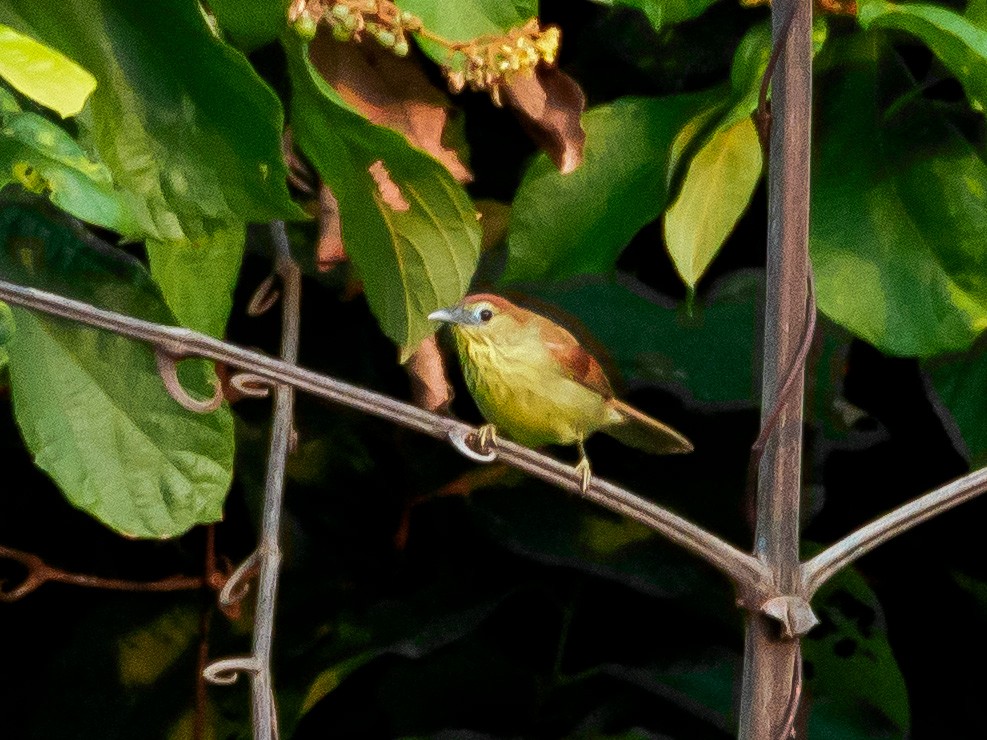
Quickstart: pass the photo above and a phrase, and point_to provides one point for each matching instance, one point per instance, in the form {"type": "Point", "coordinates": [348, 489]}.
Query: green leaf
{"type": "Point", "coordinates": [198, 278]}
{"type": "Point", "coordinates": [562, 225]}
{"type": "Point", "coordinates": [46, 160]}
{"type": "Point", "coordinates": [960, 382]}
{"type": "Point", "coordinates": [857, 689]}
{"type": "Point", "coordinates": [251, 23]}
{"type": "Point", "coordinates": [43, 74]}
{"type": "Point", "coordinates": [463, 20]}
{"type": "Point", "coordinates": [91, 406]}
{"type": "Point", "coordinates": [959, 43]}
{"type": "Point", "coordinates": [896, 239]}
{"type": "Point", "coordinates": [7, 328]}
{"type": "Point", "coordinates": [408, 226]}
{"type": "Point", "coordinates": [663, 13]}
{"type": "Point", "coordinates": [718, 187]}
{"type": "Point", "coordinates": [708, 354]}
{"type": "Point", "coordinates": [181, 119]}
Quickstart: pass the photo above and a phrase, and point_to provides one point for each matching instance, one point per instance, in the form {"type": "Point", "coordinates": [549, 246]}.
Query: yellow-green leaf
{"type": "Point", "coordinates": [44, 74]}
{"type": "Point", "coordinates": [718, 186]}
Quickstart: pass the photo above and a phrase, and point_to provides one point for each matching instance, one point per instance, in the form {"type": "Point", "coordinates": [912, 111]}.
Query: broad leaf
{"type": "Point", "coordinates": [198, 278]}
{"type": "Point", "coordinates": [464, 20]}
{"type": "Point", "coordinates": [897, 239]}
{"type": "Point", "coordinates": [663, 13]}
{"type": "Point", "coordinates": [857, 689]}
{"type": "Point", "coordinates": [43, 74]}
{"type": "Point", "coordinates": [959, 43]}
{"type": "Point", "coordinates": [564, 225]}
{"type": "Point", "coordinates": [91, 406]}
{"type": "Point", "coordinates": [709, 355]}
{"type": "Point", "coordinates": [718, 187]}
{"type": "Point", "coordinates": [181, 119]}
{"type": "Point", "coordinates": [960, 381]}
{"type": "Point", "coordinates": [408, 226]}
{"type": "Point", "coordinates": [251, 23]}
{"type": "Point", "coordinates": [44, 159]}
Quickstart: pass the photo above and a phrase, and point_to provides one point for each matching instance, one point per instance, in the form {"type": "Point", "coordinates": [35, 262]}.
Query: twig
{"type": "Point", "coordinates": [39, 573]}
{"type": "Point", "coordinates": [749, 575]}
{"type": "Point", "coordinates": [826, 564]}
{"type": "Point", "coordinates": [266, 560]}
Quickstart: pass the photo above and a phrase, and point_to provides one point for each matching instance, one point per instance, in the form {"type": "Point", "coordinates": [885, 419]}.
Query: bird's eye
{"type": "Point", "coordinates": [486, 314]}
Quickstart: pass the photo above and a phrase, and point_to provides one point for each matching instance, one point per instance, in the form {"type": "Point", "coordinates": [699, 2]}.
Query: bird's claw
{"type": "Point", "coordinates": [486, 438]}
{"type": "Point", "coordinates": [458, 439]}
{"type": "Point", "coordinates": [586, 475]}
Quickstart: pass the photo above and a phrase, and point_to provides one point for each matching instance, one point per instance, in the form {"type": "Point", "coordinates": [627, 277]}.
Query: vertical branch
{"type": "Point", "coordinates": [772, 663]}
{"type": "Point", "coordinates": [265, 720]}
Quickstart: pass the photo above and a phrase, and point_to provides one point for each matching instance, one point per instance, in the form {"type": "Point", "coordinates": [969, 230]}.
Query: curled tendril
{"type": "Point", "coordinates": [226, 671]}
{"type": "Point", "coordinates": [251, 385]}
{"type": "Point", "coordinates": [264, 297]}
{"type": "Point", "coordinates": [238, 584]}
{"type": "Point", "coordinates": [168, 370]}
{"type": "Point", "coordinates": [458, 438]}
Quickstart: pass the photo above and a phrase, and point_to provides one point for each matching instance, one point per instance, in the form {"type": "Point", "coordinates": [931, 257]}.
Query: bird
{"type": "Point", "coordinates": [533, 381]}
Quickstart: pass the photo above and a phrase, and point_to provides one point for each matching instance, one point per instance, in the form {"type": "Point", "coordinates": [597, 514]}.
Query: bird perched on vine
{"type": "Point", "coordinates": [533, 381]}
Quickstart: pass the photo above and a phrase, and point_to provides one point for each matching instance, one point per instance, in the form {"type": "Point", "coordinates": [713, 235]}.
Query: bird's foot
{"type": "Point", "coordinates": [586, 475]}
{"type": "Point", "coordinates": [486, 438]}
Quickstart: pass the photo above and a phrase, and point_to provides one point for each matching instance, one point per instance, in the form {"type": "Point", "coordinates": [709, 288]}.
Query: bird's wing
{"type": "Point", "coordinates": [579, 364]}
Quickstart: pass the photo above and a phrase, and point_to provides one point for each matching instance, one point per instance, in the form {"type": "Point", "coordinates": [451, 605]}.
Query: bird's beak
{"type": "Point", "coordinates": [451, 315]}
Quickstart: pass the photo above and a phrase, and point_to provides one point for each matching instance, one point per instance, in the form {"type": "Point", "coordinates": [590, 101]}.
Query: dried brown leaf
{"type": "Point", "coordinates": [390, 193]}
{"type": "Point", "coordinates": [329, 251]}
{"type": "Point", "coordinates": [550, 105]}
{"type": "Point", "coordinates": [389, 91]}
{"type": "Point", "coordinates": [430, 387]}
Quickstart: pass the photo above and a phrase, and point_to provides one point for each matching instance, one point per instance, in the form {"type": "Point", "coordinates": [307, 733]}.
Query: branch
{"type": "Point", "coordinates": [39, 573]}
{"type": "Point", "coordinates": [749, 575]}
{"type": "Point", "coordinates": [826, 564]}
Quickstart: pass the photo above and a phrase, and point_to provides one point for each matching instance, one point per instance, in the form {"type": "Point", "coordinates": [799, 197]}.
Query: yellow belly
{"type": "Point", "coordinates": [522, 390]}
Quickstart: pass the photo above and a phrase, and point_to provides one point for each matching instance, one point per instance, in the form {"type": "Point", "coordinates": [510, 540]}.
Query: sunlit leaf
{"type": "Point", "coordinates": [180, 119]}
{"type": "Point", "coordinates": [91, 406]}
{"type": "Point", "coordinates": [44, 159]}
{"type": "Point", "coordinates": [43, 74]}
{"type": "Point", "coordinates": [718, 186]}
{"type": "Point", "coordinates": [197, 278]}
{"type": "Point", "coordinates": [897, 238]}
{"type": "Point", "coordinates": [408, 226]}
{"type": "Point", "coordinates": [564, 225]}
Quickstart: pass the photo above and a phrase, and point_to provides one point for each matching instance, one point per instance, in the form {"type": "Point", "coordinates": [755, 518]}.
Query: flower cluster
{"type": "Point", "coordinates": [350, 19]}
{"type": "Point", "coordinates": [486, 63]}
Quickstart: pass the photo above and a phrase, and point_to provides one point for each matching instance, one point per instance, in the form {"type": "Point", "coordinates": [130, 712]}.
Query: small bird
{"type": "Point", "coordinates": [535, 382]}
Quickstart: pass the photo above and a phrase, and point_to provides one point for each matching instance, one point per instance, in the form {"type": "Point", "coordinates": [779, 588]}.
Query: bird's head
{"type": "Point", "coordinates": [480, 314]}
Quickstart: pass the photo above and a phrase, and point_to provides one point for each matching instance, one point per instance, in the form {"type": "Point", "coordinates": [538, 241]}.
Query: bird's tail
{"type": "Point", "coordinates": [639, 430]}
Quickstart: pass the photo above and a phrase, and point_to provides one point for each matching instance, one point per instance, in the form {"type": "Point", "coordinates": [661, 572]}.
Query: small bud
{"type": "Point", "coordinates": [341, 11]}
{"type": "Point", "coordinates": [369, 6]}
{"type": "Point", "coordinates": [351, 22]}
{"type": "Point", "coordinates": [457, 81]}
{"type": "Point", "coordinates": [385, 37]}
{"type": "Point", "coordinates": [342, 33]}
{"type": "Point", "coordinates": [305, 26]}
{"type": "Point", "coordinates": [401, 47]}
{"type": "Point", "coordinates": [408, 19]}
